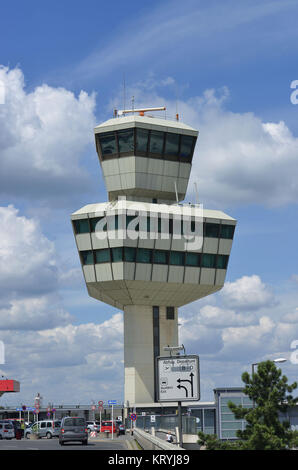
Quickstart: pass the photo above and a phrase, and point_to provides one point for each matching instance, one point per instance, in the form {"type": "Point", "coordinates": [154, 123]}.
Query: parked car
{"type": "Point", "coordinates": [47, 428]}
{"type": "Point", "coordinates": [93, 426]}
{"type": "Point", "coordinates": [6, 430]}
{"type": "Point", "coordinates": [106, 426]}
{"type": "Point", "coordinates": [16, 423]}
{"type": "Point", "coordinates": [73, 429]}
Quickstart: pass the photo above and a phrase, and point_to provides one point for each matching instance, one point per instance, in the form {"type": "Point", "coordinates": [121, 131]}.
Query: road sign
{"type": "Point", "coordinates": [112, 402]}
{"type": "Point", "coordinates": [178, 378]}
{"type": "Point", "coordinates": [133, 416]}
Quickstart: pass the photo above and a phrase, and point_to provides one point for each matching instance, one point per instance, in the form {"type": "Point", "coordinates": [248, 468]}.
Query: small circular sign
{"type": "Point", "coordinates": [133, 416]}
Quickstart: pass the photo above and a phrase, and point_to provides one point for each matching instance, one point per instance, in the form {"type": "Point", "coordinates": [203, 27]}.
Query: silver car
{"type": "Point", "coordinates": [73, 429]}
{"type": "Point", "coordinates": [6, 430]}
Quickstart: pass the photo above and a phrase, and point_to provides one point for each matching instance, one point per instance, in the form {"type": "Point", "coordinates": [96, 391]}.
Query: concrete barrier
{"type": "Point", "coordinates": [149, 442]}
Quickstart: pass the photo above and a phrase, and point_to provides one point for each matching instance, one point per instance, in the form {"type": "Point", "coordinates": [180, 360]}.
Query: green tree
{"type": "Point", "coordinates": [271, 395]}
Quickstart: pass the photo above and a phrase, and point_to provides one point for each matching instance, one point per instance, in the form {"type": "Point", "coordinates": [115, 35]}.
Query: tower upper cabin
{"type": "Point", "coordinates": [145, 158]}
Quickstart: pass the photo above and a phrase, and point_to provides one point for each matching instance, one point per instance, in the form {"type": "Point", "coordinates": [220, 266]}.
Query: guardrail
{"type": "Point", "coordinates": [149, 442]}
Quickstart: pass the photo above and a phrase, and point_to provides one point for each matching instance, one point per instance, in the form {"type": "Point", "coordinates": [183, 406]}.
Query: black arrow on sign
{"type": "Point", "coordinates": [186, 380]}
{"type": "Point", "coordinates": [181, 386]}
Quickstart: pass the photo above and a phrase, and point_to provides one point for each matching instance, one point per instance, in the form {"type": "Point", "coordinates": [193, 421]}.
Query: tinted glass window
{"type": "Point", "coordinates": [156, 142]}
{"type": "Point", "coordinates": [177, 258]}
{"type": "Point", "coordinates": [227, 231]}
{"type": "Point", "coordinates": [117, 254]}
{"type": "Point", "coordinates": [208, 261]}
{"type": "Point", "coordinates": [172, 144]}
{"type": "Point", "coordinates": [108, 143]}
{"type": "Point", "coordinates": [87, 257]}
{"type": "Point", "coordinates": [212, 230]}
{"type": "Point", "coordinates": [186, 146]}
{"type": "Point", "coordinates": [160, 257]}
{"type": "Point", "coordinates": [126, 141]}
{"type": "Point", "coordinates": [170, 313]}
{"type": "Point", "coordinates": [192, 259]}
{"type": "Point", "coordinates": [142, 140]}
{"type": "Point", "coordinates": [81, 226]}
{"type": "Point", "coordinates": [143, 255]}
{"type": "Point", "coordinates": [74, 422]}
{"type": "Point", "coordinates": [93, 224]}
{"type": "Point", "coordinates": [222, 261]}
{"type": "Point", "coordinates": [129, 254]}
{"type": "Point", "coordinates": [102, 256]}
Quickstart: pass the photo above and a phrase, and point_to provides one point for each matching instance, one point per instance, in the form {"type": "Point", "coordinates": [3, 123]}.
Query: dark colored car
{"type": "Point", "coordinates": [121, 429]}
{"type": "Point", "coordinates": [73, 429]}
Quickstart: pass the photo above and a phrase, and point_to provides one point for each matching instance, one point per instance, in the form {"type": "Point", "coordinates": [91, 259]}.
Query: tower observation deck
{"type": "Point", "coordinates": [144, 251]}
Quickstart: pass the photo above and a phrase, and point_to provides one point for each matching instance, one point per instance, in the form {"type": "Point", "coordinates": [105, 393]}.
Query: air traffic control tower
{"type": "Point", "coordinates": [144, 251]}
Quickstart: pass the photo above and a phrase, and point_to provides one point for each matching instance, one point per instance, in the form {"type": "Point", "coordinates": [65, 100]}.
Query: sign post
{"type": "Point", "coordinates": [178, 379]}
{"type": "Point", "coordinates": [112, 402]}
{"type": "Point", "coordinates": [100, 407]}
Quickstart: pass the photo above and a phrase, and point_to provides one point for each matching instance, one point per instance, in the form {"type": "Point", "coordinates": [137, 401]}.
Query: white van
{"type": "Point", "coordinates": [47, 428]}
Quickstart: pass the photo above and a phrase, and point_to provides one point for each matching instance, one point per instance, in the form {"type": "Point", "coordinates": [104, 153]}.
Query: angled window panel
{"type": "Point", "coordinates": [142, 136]}
{"type": "Point", "coordinates": [81, 226]}
{"type": "Point", "coordinates": [87, 257]}
{"type": "Point", "coordinates": [222, 261]}
{"type": "Point", "coordinates": [117, 254]}
{"type": "Point", "coordinates": [187, 147]}
{"type": "Point", "coordinates": [102, 256]}
{"type": "Point", "coordinates": [227, 231]}
{"type": "Point", "coordinates": [126, 141]}
{"type": "Point", "coordinates": [160, 257]}
{"type": "Point", "coordinates": [108, 144]}
{"type": "Point", "coordinates": [156, 142]}
{"type": "Point", "coordinates": [143, 255]}
{"type": "Point", "coordinates": [129, 254]}
{"type": "Point", "coordinates": [172, 144]}
{"type": "Point", "coordinates": [208, 260]}
{"type": "Point", "coordinates": [177, 258]}
{"type": "Point", "coordinates": [193, 259]}
{"type": "Point", "coordinates": [211, 230]}
{"type": "Point", "coordinates": [93, 224]}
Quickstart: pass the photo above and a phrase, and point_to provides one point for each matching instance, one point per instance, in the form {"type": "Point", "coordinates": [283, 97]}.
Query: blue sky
{"type": "Point", "coordinates": [228, 67]}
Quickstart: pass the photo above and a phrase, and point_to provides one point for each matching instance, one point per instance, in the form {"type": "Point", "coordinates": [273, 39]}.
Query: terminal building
{"type": "Point", "coordinates": [213, 417]}
{"type": "Point", "coordinates": [144, 251]}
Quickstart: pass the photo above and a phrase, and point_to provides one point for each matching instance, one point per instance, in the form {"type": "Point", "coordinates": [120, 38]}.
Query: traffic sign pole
{"type": "Point", "coordinates": [100, 407]}
{"type": "Point", "coordinates": [112, 421]}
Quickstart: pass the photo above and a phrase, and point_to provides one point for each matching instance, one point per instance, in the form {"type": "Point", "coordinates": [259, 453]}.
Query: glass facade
{"type": "Point", "coordinates": [143, 142]}
{"type": "Point", "coordinates": [228, 423]}
{"type": "Point", "coordinates": [145, 255]}
{"type": "Point", "coordinates": [152, 224]}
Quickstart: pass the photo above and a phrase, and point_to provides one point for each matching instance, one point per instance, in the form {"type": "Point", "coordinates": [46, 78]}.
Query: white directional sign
{"type": "Point", "coordinates": [178, 378]}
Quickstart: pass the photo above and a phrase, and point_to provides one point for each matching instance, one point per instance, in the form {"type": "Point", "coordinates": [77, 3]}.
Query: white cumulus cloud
{"type": "Point", "coordinates": [43, 134]}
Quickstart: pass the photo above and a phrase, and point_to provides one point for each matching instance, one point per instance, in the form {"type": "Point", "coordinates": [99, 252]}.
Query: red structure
{"type": "Point", "coordinates": [9, 386]}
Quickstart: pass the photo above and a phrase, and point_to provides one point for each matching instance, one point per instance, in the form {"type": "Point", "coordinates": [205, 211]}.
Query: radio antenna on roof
{"type": "Point", "coordinates": [141, 111]}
